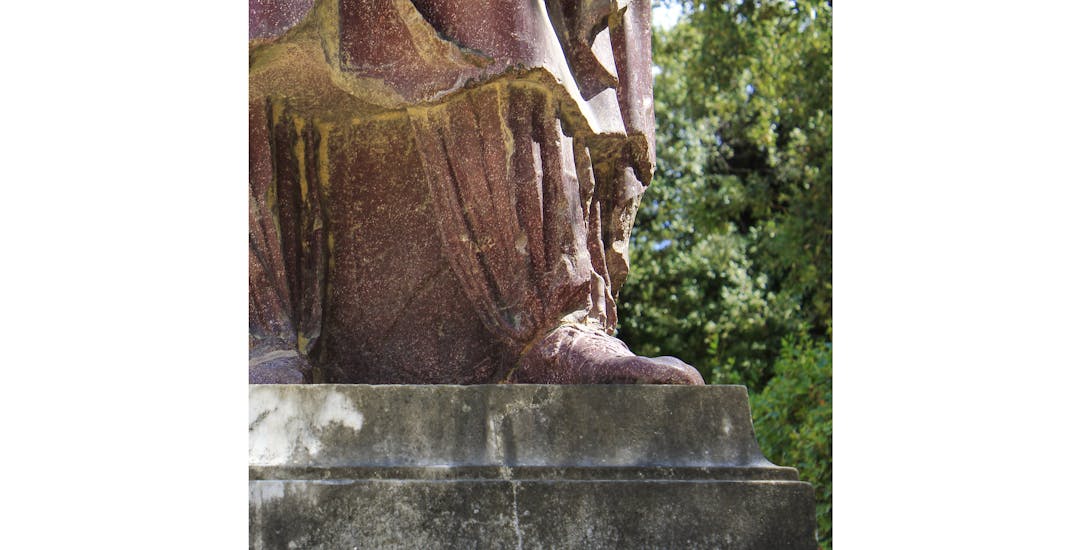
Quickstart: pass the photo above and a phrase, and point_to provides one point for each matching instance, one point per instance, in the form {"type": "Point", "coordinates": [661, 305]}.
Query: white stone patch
{"type": "Point", "coordinates": [339, 409]}
{"type": "Point", "coordinates": [265, 491]}
{"type": "Point", "coordinates": [283, 426]}
{"type": "Point", "coordinates": [726, 425]}
{"type": "Point", "coordinates": [272, 421]}
{"type": "Point", "coordinates": [310, 443]}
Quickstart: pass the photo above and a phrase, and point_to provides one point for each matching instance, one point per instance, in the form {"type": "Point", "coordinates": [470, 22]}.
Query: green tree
{"type": "Point", "coordinates": [732, 245]}
{"type": "Point", "coordinates": [797, 406]}
{"type": "Point", "coordinates": [731, 262]}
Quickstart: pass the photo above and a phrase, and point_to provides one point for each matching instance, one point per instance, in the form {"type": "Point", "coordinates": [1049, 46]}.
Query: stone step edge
{"type": "Point", "coordinates": [766, 472]}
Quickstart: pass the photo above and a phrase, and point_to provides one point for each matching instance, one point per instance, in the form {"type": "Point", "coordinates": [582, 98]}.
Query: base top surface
{"type": "Point", "coordinates": [563, 430]}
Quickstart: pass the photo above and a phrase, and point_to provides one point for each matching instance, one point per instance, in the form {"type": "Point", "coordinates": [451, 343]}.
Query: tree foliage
{"type": "Point", "coordinates": [732, 249]}
{"type": "Point", "coordinates": [797, 408]}
{"type": "Point", "coordinates": [732, 246]}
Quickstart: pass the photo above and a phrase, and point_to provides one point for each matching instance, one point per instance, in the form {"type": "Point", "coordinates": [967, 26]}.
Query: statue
{"type": "Point", "coordinates": [441, 191]}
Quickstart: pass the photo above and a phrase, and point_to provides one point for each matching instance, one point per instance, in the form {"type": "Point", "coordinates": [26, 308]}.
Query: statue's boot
{"type": "Point", "coordinates": [573, 354]}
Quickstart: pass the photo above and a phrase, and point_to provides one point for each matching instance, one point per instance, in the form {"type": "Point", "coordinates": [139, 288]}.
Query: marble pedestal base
{"type": "Point", "coordinates": [516, 466]}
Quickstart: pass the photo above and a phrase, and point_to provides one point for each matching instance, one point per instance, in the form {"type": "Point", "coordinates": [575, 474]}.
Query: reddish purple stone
{"type": "Point", "coordinates": [443, 191]}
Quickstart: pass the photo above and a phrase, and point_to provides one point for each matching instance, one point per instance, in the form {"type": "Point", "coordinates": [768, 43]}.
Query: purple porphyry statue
{"type": "Point", "coordinates": [442, 191]}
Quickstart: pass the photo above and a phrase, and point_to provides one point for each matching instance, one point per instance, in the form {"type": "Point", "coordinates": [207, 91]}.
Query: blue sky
{"type": "Point", "coordinates": [665, 17]}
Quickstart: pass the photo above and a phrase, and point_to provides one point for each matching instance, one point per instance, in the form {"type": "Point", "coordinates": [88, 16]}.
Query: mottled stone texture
{"type": "Point", "coordinates": [516, 466]}
{"type": "Point", "coordinates": [443, 191]}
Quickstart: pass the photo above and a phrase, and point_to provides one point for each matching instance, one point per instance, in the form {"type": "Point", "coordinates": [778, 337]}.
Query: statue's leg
{"type": "Point", "coordinates": [272, 343]}
{"type": "Point", "coordinates": [588, 353]}
{"type": "Point", "coordinates": [519, 220]}
{"type": "Point", "coordinates": [395, 312]}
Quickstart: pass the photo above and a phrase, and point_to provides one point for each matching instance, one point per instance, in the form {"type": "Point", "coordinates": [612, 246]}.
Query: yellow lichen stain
{"type": "Point", "coordinates": [272, 204]}
{"type": "Point", "coordinates": [324, 129]}
{"type": "Point", "coordinates": [503, 106]}
{"type": "Point", "coordinates": [304, 66]}
{"type": "Point", "coordinates": [302, 168]}
{"type": "Point", "coordinates": [276, 108]}
{"type": "Point", "coordinates": [429, 45]}
{"type": "Point", "coordinates": [326, 26]}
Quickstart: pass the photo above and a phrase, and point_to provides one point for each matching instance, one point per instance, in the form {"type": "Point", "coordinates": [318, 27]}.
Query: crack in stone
{"type": "Point", "coordinates": [497, 449]}
{"type": "Point", "coordinates": [517, 527]}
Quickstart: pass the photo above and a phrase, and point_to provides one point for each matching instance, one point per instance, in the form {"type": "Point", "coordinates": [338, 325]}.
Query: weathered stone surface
{"type": "Point", "coordinates": [531, 514]}
{"type": "Point", "coordinates": [443, 191]}
{"type": "Point", "coordinates": [527, 466]}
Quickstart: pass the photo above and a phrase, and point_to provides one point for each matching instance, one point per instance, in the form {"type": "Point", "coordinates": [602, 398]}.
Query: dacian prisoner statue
{"type": "Point", "coordinates": [442, 191]}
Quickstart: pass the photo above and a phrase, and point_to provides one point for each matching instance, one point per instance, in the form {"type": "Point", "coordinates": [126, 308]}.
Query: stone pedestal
{"type": "Point", "coordinates": [516, 466]}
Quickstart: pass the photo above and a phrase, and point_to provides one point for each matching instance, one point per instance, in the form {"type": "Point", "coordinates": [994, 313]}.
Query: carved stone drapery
{"type": "Point", "coordinates": [442, 191]}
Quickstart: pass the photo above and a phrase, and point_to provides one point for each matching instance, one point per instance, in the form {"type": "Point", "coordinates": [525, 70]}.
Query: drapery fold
{"type": "Point", "coordinates": [512, 215]}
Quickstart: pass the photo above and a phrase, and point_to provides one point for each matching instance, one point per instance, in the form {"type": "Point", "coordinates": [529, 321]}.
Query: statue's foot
{"type": "Point", "coordinates": [575, 355]}
{"type": "Point", "coordinates": [278, 367]}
